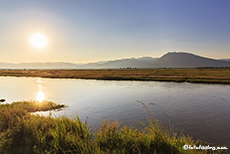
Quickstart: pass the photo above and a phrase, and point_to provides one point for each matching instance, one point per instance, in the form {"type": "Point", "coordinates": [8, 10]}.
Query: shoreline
{"type": "Point", "coordinates": [196, 75]}
{"type": "Point", "coordinates": [22, 131]}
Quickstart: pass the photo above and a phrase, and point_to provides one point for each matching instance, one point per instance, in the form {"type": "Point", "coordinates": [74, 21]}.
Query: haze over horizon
{"type": "Point", "coordinates": [90, 31]}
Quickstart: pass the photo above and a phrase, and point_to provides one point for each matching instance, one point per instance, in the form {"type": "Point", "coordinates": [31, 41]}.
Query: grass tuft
{"type": "Point", "coordinates": [25, 133]}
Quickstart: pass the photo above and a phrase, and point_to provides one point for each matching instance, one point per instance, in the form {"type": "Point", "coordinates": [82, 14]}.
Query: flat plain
{"type": "Point", "coordinates": [195, 75]}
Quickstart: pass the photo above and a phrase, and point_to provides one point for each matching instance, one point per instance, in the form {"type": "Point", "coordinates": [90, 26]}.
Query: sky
{"type": "Point", "coordinates": [82, 31]}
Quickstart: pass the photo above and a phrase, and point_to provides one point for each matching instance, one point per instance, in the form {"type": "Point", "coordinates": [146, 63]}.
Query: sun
{"type": "Point", "coordinates": [38, 41]}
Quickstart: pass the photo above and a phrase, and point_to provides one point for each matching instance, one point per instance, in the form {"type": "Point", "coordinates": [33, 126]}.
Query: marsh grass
{"type": "Point", "coordinates": [196, 75]}
{"type": "Point", "coordinates": [24, 133]}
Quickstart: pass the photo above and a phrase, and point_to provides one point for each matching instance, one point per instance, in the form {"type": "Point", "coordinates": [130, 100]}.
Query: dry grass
{"type": "Point", "coordinates": [199, 75]}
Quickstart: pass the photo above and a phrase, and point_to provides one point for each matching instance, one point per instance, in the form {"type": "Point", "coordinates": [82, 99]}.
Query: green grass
{"type": "Point", "coordinates": [24, 133]}
{"type": "Point", "coordinates": [198, 75]}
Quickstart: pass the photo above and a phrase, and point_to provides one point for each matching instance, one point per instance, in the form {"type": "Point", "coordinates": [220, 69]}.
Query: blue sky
{"type": "Point", "coordinates": [83, 31]}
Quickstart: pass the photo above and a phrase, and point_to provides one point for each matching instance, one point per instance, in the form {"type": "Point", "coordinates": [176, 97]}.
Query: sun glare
{"type": "Point", "coordinates": [40, 96]}
{"type": "Point", "coordinates": [38, 41]}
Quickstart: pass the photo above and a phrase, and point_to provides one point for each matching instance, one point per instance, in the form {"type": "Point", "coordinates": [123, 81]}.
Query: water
{"type": "Point", "coordinates": [201, 110]}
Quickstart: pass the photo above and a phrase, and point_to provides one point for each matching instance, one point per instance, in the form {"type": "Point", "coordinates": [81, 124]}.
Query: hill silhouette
{"type": "Point", "coordinates": [169, 60]}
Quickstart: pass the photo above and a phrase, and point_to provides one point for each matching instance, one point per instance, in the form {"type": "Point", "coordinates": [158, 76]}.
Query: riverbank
{"type": "Point", "coordinates": [22, 132]}
{"type": "Point", "coordinates": [199, 75]}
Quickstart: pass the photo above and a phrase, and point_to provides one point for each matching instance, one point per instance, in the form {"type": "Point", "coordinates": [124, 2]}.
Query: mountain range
{"type": "Point", "coordinates": [169, 60]}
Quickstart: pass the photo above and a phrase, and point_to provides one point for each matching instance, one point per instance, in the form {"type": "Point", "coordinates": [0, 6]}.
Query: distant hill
{"type": "Point", "coordinates": [144, 62]}
{"type": "Point", "coordinates": [227, 60]}
{"type": "Point", "coordinates": [169, 60]}
{"type": "Point", "coordinates": [188, 60]}
{"type": "Point", "coordinates": [47, 65]}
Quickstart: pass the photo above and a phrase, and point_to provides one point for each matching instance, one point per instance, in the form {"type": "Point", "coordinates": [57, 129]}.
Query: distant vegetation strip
{"type": "Point", "coordinates": [196, 75]}
{"type": "Point", "coordinates": [24, 133]}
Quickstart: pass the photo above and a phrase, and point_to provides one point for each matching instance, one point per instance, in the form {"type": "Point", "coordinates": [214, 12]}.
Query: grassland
{"type": "Point", "coordinates": [199, 75]}
{"type": "Point", "coordinates": [25, 133]}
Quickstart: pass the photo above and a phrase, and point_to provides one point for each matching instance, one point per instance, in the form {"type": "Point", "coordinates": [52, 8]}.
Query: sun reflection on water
{"type": "Point", "coordinates": [40, 95]}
